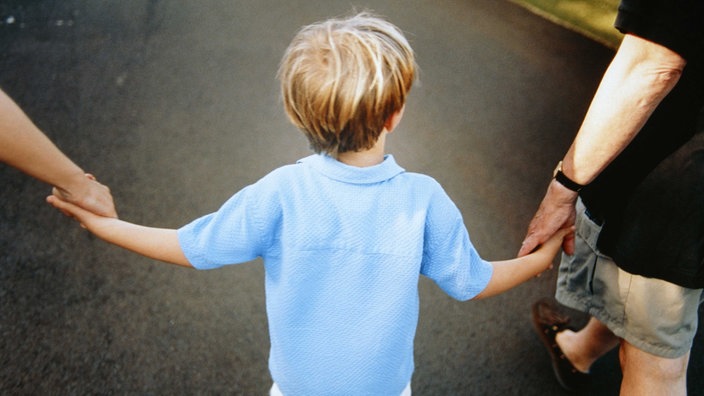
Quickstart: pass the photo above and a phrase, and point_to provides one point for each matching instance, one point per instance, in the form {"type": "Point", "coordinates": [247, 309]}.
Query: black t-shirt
{"type": "Point", "coordinates": [677, 25]}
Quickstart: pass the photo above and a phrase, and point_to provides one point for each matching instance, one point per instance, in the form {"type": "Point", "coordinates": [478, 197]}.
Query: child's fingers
{"type": "Point", "coordinates": [558, 239]}
{"type": "Point", "coordinates": [568, 232]}
{"type": "Point", "coordinates": [55, 197]}
{"type": "Point", "coordinates": [65, 207]}
{"type": "Point", "coordinates": [563, 233]}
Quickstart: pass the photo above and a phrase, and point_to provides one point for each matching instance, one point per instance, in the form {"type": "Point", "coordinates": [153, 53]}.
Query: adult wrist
{"type": "Point", "coordinates": [562, 194]}
{"type": "Point", "coordinates": [73, 185]}
{"type": "Point", "coordinates": [560, 177]}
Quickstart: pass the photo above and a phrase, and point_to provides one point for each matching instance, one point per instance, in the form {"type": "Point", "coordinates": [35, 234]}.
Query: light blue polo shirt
{"type": "Point", "coordinates": [343, 248]}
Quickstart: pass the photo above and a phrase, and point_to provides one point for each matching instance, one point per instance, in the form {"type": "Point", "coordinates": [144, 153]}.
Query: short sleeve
{"type": "Point", "coordinates": [449, 258]}
{"type": "Point", "coordinates": [238, 232]}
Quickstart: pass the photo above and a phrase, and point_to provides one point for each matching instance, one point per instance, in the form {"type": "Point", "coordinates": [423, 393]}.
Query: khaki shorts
{"type": "Point", "coordinates": [653, 315]}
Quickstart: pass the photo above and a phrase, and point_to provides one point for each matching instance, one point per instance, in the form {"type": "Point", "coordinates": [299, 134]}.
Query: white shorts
{"type": "Point", "coordinates": [275, 391]}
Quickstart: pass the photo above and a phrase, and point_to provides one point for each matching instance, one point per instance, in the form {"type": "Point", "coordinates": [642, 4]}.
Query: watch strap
{"type": "Point", "coordinates": [567, 182]}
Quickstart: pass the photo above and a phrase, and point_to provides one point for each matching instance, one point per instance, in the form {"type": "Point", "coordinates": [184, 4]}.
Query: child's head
{"type": "Point", "coordinates": [341, 80]}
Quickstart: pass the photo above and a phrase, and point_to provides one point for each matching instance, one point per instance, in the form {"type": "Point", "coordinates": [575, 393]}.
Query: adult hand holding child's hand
{"type": "Point", "coordinates": [87, 219]}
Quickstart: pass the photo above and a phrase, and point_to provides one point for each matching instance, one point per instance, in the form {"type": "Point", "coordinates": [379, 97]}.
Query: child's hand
{"type": "Point", "coordinates": [87, 219]}
{"type": "Point", "coordinates": [552, 246]}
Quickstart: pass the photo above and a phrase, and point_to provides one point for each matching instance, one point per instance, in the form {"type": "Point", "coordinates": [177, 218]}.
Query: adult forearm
{"type": "Point", "coordinates": [638, 79]}
{"type": "Point", "coordinates": [25, 147]}
{"type": "Point", "coordinates": [640, 76]}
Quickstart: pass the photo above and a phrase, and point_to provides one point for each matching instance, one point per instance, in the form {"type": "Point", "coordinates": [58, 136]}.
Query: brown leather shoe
{"type": "Point", "coordinates": [548, 321]}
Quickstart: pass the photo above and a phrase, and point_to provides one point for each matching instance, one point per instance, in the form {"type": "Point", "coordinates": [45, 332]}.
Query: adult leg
{"type": "Point", "coordinates": [657, 316]}
{"type": "Point", "coordinates": [584, 347]}
{"type": "Point", "coordinates": [662, 229]}
{"type": "Point", "coordinates": [572, 352]}
{"type": "Point", "coordinates": [647, 374]}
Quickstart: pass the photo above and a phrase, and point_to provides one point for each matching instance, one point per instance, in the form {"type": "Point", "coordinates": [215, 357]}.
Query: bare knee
{"type": "Point", "coordinates": [637, 364]}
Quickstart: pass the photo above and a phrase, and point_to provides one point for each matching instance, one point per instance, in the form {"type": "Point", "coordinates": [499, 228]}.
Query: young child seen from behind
{"type": "Point", "coordinates": [345, 233]}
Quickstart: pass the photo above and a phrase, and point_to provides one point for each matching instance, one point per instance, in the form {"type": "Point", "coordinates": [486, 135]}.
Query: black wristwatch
{"type": "Point", "coordinates": [564, 180]}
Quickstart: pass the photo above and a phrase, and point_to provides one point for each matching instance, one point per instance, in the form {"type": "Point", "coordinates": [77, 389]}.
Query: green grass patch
{"type": "Point", "coordinates": [593, 18]}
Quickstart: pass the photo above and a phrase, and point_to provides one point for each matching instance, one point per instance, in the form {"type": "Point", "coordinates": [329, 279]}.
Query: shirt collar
{"type": "Point", "coordinates": [339, 171]}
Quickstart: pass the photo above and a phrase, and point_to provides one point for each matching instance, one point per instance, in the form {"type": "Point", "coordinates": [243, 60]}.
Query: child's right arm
{"type": "Point", "coordinates": [156, 243]}
{"type": "Point", "coordinates": [511, 273]}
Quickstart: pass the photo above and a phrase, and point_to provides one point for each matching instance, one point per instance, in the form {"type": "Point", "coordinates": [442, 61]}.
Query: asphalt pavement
{"type": "Point", "coordinates": [175, 106]}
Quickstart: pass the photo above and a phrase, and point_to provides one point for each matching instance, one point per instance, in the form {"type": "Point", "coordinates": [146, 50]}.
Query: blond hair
{"type": "Point", "coordinates": [341, 80]}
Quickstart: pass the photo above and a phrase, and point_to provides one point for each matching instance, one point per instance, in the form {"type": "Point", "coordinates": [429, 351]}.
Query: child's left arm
{"type": "Point", "coordinates": [156, 243]}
